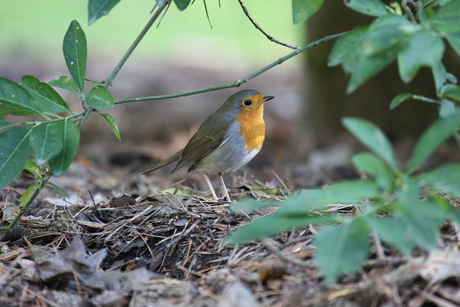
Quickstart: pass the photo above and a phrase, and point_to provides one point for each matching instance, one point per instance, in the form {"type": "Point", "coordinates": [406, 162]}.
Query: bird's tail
{"type": "Point", "coordinates": [163, 163]}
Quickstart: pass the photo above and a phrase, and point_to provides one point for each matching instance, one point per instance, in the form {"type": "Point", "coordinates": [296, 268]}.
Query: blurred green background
{"type": "Point", "coordinates": [37, 28]}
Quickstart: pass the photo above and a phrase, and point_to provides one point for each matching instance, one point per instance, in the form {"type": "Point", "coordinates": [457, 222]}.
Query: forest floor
{"type": "Point", "coordinates": [119, 239]}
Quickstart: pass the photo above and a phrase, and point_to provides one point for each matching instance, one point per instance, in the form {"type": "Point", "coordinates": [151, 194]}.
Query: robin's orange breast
{"type": "Point", "coordinates": [252, 126]}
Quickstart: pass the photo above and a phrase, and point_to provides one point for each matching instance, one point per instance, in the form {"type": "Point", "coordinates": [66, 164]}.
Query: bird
{"type": "Point", "coordinates": [226, 140]}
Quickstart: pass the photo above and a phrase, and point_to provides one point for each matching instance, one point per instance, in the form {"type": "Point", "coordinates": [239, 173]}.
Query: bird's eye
{"type": "Point", "coordinates": [247, 102]}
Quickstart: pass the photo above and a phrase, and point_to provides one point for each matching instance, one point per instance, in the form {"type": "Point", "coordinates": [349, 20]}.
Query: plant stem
{"type": "Point", "coordinates": [425, 99]}
{"type": "Point", "coordinates": [136, 42]}
{"type": "Point", "coordinates": [26, 206]}
{"type": "Point", "coordinates": [236, 83]}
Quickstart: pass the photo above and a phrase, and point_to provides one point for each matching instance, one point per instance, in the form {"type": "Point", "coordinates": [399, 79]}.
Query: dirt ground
{"type": "Point", "coordinates": [123, 240]}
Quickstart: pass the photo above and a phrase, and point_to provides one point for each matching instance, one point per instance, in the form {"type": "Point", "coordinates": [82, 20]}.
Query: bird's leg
{"type": "Point", "coordinates": [210, 187]}
{"type": "Point", "coordinates": [224, 187]}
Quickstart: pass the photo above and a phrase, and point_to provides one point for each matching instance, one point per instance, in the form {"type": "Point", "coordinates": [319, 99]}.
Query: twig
{"type": "Point", "coordinates": [304, 264]}
{"type": "Point", "coordinates": [271, 38]}
{"type": "Point", "coordinates": [136, 42]}
{"type": "Point", "coordinates": [236, 83]}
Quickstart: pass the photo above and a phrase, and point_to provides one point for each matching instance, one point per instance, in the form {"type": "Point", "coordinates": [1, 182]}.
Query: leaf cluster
{"type": "Point", "coordinates": [403, 208]}
{"type": "Point", "coordinates": [55, 138]}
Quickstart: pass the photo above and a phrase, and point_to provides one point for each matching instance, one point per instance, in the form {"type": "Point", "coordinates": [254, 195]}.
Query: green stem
{"type": "Point", "coordinates": [236, 83]}
{"type": "Point", "coordinates": [26, 206]}
{"type": "Point", "coordinates": [425, 99]}
{"type": "Point", "coordinates": [51, 121]}
{"type": "Point", "coordinates": [136, 42]}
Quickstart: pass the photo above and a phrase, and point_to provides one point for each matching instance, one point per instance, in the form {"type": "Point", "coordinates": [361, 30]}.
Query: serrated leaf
{"type": "Point", "coordinates": [113, 125]}
{"type": "Point", "coordinates": [399, 99]}
{"type": "Point", "coordinates": [341, 249]}
{"type": "Point", "coordinates": [303, 9]}
{"type": "Point", "coordinates": [99, 8]}
{"type": "Point", "coordinates": [14, 152]}
{"type": "Point", "coordinates": [42, 91]}
{"type": "Point", "coordinates": [431, 139]}
{"type": "Point", "coordinates": [67, 84]}
{"type": "Point", "coordinates": [367, 7]}
{"type": "Point", "coordinates": [75, 53]}
{"type": "Point", "coordinates": [373, 138]}
{"type": "Point", "coordinates": [370, 164]}
{"type": "Point", "coordinates": [71, 139]}
{"type": "Point", "coordinates": [25, 197]}
{"type": "Point", "coordinates": [99, 98]}
{"type": "Point", "coordinates": [46, 141]}
{"type": "Point", "coordinates": [182, 4]}
{"type": "Point", "coordinates": [19, 101]}
{"type": "Point", "coordinates": [410, 59]}
{"type": "Point", "coordinates": [447, 22]}
{"type": "Point", "coordinates": [444, 179]}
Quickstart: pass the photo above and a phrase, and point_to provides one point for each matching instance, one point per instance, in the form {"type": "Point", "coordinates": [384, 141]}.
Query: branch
{"type": "Point", "coordinates": [271, 38]}
{"type": "Point", "coordinates": [236, 83]}
{"type": "Point", "coordinates": [136, 42]}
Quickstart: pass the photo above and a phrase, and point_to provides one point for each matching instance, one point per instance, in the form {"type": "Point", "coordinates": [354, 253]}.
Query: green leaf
{"type": "Point", "coordinates": [99, 98]}
{"type": "Point", "coordinates": [42, 91]}
{"type": "Point", "coordinates": [67, 84]}
{"type": "Point", "coordinates": [25, 197]}
{"type": "Point", "coordinates": [399, 99]}
{"type": "Point", "coordinates": [422, 220]}
{"type": "Point", "coordinates": [367, 7]}
{"type": "Point", "coordinates": [303, 9]}
{"type": "Point", "coordinates": [75, 53]}
{"type": "Point", "coordinates": [447, 22]}
{"type": "Point", "coordinates": [19, 101]}
{"type": "Point", "coordinates": [32, 167]}
{"type": "Point", "coordinates": [61, 191]}
{"type": "Point", "coordinates": [71, 139]}
{"type": "Point", "coordinates": [448, 108]}
{"type": "Point", "coordinates": [273, 224]}
{"type": "Point", "coordinates": [451, 91]}
{"type": "Point", "coordinates": [431, 139]}
{"type": "Point", "coordinates": [4, 123]}
{"type": "Point", "coordinates": [369, 66]}
{"type": "Point", "coordinates": [347, 49]}
{"type": "Point", "coordinates": [14, 152]}
{"type": "Point", "coordinates": [371, 136]}
{"type": "Point", "coordinates": [444, 179]}
{"type": "Point", "coordinates": [373, 166]}
{"type": "Point", "coordinates": [392, 231]}
{"type": "Point", "coordinates": [46, 141]}
{"type": "Point", "coordinates": [182, 4]}
{"type": "Point", "coordinates": [113, 125]}
{"type": "Point", "coordinates": [410, 59]}
{"type": "Point", "coordinates": [341, 249]}
{"type": "Point", "coordinates": [386, 33]}
{"type": "Point", "coordinates": [99, 8]}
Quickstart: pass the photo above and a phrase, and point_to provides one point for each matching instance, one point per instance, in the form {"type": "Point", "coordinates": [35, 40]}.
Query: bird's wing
{"type": "Point", "coordinates": [199, 146]}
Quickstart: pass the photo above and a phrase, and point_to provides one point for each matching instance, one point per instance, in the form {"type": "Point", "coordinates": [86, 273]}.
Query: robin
{"type": "Point", "coordinates": [228, 139]}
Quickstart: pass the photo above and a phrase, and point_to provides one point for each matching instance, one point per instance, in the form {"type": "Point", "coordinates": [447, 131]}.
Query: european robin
{"type": "Point", "coordinates": [228, 139]}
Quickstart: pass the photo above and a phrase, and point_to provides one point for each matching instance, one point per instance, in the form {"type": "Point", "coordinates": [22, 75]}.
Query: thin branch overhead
{"type": "Point", "coordinates": [271, 38]}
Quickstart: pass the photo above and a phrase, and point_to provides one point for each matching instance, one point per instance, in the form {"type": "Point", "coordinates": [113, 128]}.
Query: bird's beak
{"type": "Point", "coordinates": [267, 98]}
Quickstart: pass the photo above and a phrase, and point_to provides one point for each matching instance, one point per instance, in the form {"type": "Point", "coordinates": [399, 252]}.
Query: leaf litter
{"type": "Point", "coordinates": [166, 249]}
